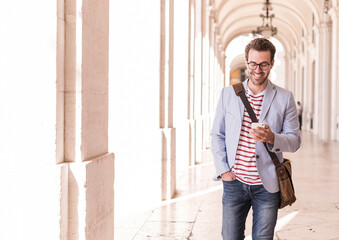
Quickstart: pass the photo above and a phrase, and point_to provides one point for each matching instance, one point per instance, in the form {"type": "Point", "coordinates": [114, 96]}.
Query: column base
{"type": "Point", "coordinates": [91, 199]}
{"type": "Point", "coordinates": [168, 163]}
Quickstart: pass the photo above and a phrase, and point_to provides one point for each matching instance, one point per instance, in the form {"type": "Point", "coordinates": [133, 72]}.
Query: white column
{"type": "Point", "coordinates": [181, 81]}
{"type": "Point", "coordinates": [324, 79]}
{"type": "Point", "coordinates": [309, 88]}
{"type": "Point", "coordinates": [90, 178]}
{"type": "Point", "coordinates": [222, 64]}
{"type": "Point", "coordinates": [191, 83]}
{"type": "Point", "coordinates": [211, 62]}
{"type": "Point", "coordinates": [317, 82]}
{"type": "Point", "coordinates": [167, 131]}
{"type": "Point", "coordinates": [334, 12]}
{"type": "Point", "coordinates": [299, 81]}
{"type": "Point", "coordinates": [198, 78]}
{"type": "Point", "coordinates": [287, 70]}
{"type": "Point", "coordinates": [212, 86]}
{"type": "Point", "coordinates": [306, 82]}
{"type": "Point", "coordinates": [206, 79]}
{"type": "Point", "coordinates": [216, 90]}
{"type": "Point", "coordinates": [295, 72]}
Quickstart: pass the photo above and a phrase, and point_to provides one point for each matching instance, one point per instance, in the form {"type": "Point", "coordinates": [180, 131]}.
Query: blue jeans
{"type": "Point", "coordinates": [237, 201]}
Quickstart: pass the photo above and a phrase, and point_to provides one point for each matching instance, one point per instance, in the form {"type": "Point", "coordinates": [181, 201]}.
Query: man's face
{"type": "Point", "coordinates": [259, 74]}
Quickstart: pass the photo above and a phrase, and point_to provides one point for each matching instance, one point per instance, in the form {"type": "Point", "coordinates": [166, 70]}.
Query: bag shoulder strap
{"type": "Point", "coordinates": [240, 91]}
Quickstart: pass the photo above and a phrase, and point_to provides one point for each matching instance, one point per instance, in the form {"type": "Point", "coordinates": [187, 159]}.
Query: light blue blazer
{"type": "Point", "coordinates": [278, 111]}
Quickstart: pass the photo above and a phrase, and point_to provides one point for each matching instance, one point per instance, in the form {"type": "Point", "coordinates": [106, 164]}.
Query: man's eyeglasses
{"type": "Point", "coordinates": [263, 66]}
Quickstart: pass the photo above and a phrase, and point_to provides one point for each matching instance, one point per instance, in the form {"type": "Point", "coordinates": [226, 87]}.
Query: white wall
{"type": "Point", "coordinates": [28, 176]}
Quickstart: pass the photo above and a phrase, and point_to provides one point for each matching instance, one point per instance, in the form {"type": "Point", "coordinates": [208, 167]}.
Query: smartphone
{"type": "Point", "coordinates": [256, 125]}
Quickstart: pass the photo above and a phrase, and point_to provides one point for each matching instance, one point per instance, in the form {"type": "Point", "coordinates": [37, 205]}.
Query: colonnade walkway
{"type": "Point", "coordinates": [195, 213]}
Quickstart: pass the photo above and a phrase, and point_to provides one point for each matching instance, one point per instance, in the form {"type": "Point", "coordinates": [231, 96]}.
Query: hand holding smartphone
{"type": "Point", "coordinates": [256, 125]}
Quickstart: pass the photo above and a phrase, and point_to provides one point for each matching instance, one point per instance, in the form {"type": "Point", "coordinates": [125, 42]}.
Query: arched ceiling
{"type": "Point", "coordinates": [292, 18]}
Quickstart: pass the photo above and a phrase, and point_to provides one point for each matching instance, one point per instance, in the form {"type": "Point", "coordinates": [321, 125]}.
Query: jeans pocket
{"type": "Point", "coordinates": [230, 181]}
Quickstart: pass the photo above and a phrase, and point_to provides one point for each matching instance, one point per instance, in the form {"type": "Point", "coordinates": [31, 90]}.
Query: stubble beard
{"type": "Point", "coordinates": [258, 82]}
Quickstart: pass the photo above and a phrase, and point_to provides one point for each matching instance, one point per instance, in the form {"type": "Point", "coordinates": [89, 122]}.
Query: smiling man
{"type": "Point", "coordinates": [241, 159]}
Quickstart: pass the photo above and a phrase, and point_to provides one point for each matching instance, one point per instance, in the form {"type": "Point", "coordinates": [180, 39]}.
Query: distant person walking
{"type": "Point", "coordinates": [300, 113]}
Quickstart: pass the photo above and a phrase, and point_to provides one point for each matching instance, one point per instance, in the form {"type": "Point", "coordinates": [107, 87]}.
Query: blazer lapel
{"type": "Point", "coordinates": [267, 101]}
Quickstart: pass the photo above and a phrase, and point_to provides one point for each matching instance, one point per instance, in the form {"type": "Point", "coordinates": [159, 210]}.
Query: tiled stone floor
{"type": "Point", "coordinates": [195, 214]}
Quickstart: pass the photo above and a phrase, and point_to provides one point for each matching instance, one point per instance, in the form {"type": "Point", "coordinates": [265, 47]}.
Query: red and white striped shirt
{"type": "Point", "coordinates": [245, 167]}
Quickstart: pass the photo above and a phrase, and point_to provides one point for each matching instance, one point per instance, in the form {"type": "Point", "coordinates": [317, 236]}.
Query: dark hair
{"type": "Point", "coordinates": [260, 44]}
